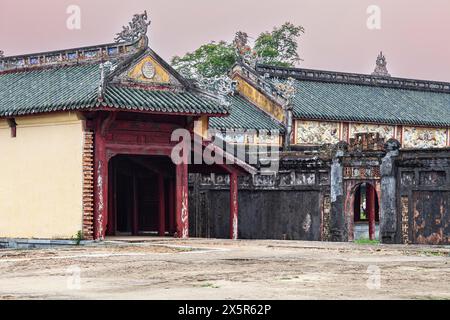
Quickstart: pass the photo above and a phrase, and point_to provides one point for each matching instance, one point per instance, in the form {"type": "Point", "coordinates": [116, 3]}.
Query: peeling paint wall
{"type": "Point", "coordinates": [286, 206]}
{"type": "Point", "coordinates": [423, 189]}
{"type": "Point", "coordinates": [42, 177]}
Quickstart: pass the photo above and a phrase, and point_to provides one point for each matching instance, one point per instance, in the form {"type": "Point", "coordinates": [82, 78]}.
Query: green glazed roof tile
{"type": "Point", "coordinates": [245, 116]}
{"type": "Point", "coordinates": [160, 101]}
{"type": "Point", "coordinates": [75, 87]}
{"type": "Point", "coordinates": [374, 104]}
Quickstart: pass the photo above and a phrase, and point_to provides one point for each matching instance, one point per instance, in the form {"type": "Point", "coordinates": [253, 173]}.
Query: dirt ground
{"type": "Point", "coordinates": [218, 269]}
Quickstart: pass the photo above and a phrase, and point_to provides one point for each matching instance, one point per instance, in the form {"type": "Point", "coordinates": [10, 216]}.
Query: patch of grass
{"type": "Point", "coordinates": [432, 298]}
{"type": "Point", "coordinates": [367, 241]}
{"type": "Point", "coordinates": [434, 253]}
{"type": "Point", "coordinates": [183, 249]}
{"type": "Point", "coordinates": [209, 285]}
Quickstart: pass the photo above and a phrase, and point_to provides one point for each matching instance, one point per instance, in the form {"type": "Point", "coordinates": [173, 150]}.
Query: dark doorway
{"type": "Point", "coordinates": [140, 188]}
{"type": "Point", "coordinates": [366, 213]}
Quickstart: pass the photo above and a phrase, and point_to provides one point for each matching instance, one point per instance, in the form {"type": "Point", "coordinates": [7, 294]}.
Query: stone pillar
{"type": "Point", "coordinates": [337, 220]}
{"type": "Point", "coordinates": [388, 206]}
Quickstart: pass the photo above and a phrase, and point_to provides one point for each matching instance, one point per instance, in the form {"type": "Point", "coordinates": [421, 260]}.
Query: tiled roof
{"type": "Point", "coordinates": [160, 101]}
{"type": "Point", "coordinates": [246, 116]}
{"type": "Point", "coordinates": [48, 89]}
{"type": "Point", "coordinates": [327, 95]}
{"type": "Point", "coordinates": [351, 102]}
{"type": "Point", "coordinates": [27, 88]}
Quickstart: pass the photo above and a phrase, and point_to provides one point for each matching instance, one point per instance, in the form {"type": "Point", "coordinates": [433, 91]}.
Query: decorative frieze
{"type": "Point", "coordinates": [317, 133]}
{"type": "Point", "coordinates": [366, 142]}
{"type": "Point", "coordinates": [249, 137]}
{"type": "Point", "coordinates": [362, 173]}
{"type": "Point", "coordinates": [385, 131]}
{"type": "Point", "coordinates": [74, 56]}
{"type": "Point", "coordinates": [423, 138]}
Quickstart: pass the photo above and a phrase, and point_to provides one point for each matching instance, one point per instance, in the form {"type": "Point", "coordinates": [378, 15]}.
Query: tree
{"type": "Point", "coordinates": [208, 61]}
{"type": "Point", "coordinates": [278, 48]}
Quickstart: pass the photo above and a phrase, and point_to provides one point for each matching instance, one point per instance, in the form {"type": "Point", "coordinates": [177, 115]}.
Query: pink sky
{"type": "Point", "coordinates": [414, 33]}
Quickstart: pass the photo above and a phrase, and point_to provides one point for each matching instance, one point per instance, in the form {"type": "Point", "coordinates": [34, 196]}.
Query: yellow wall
{"type": "Point", "coordinates": [258, 98]}
{"type": "Point", "coordinates": [41, 177]}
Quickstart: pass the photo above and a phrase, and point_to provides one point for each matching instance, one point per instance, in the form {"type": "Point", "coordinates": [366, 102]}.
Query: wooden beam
{"type": "Point", "coordinates": [13, 125]}
{"type": "Point", "coordinates": [106, 124]}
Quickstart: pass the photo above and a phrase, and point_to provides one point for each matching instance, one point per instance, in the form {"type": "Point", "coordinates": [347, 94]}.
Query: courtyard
{"type": "Point", "coordinates": [199, 269]}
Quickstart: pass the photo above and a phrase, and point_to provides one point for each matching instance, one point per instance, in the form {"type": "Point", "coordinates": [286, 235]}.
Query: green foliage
{"type": "Point", "coordinates": [367, 241]}
{"type": "Point", "coordinates": [210, 60]}
{"type": "Point", "coordinates": [79, 237]}
{"type": "Point", "coordinates": [278, 48]}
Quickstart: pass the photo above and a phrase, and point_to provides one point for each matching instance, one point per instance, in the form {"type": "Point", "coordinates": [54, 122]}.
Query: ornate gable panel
{"type": "Point", "coordinates": [148, 70]}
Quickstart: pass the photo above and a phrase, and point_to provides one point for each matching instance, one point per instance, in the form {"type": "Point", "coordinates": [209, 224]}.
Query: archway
{"type": "Point", "coordinates": [366, 212]}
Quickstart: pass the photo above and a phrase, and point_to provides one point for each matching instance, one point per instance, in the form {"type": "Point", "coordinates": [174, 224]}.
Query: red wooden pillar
{"type": "Point", "coordinates": [233, 206]}
{"type": "Point", "coordinates": [370, 198]}
{"type": "Point", "coordinates": [181, 206]}
{"type": "Point", "coordinates": [100, 186]}
{"type": "Point", "coordinates": [111, 228]}
{"type": "Point", "coordinates": [135, 220]}
{"type": "Point", "coordinates": [162, 206]}
{"type": "Point", "coordinates": [172, 192]}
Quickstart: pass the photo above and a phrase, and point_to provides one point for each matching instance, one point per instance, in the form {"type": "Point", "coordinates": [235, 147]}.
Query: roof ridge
{"type": "Point", "coordinates": [354, 78]}
{"type": "Point", "coordinates": [64, 57]}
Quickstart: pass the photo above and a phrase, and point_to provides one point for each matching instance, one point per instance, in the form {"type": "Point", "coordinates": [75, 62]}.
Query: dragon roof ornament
{"type": "Point", "coordinates": [286, 88]}
{"type": "Point", "coordinates": [245, 53]}
{"type": "Point", "coordinates": [222, 87]}
{"type": "Point", "coordinates": [135, 30]}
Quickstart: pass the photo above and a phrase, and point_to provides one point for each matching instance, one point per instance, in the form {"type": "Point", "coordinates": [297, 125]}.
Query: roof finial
{"type": "Point", "coordinates": [135, 30]}
{"type": "Point", "coordinates": [244, 52]}
{"type": "Point", "coordinates": [381, 67]}
{"type": "Point", "coordinates": [2, 54]}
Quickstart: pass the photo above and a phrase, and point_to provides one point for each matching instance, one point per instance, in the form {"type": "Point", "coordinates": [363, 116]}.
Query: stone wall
{"type": "Point", "coordinates": [312, 196]}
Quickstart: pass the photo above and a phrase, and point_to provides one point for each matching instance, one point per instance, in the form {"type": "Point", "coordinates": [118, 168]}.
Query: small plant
{"type": "Point", "coordinates": [209, 285]}
{"type": "Point", "coordinates": [79, 237]}
{"type": "Point", "coordinates": [367, 241]}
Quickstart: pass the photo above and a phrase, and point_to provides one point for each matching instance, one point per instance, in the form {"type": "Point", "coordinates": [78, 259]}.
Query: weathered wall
{"type": "Point", "coordinates": [423, 202]}
{"type": "Point", "coordinates": [41, 180]}
{"type": "Point", "coordinates": [293, 205]}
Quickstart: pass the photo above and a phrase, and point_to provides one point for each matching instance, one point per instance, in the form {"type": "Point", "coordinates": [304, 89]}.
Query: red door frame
{"type": "Point", "coordinates": [375, 194]}
{"type": "Point", "coordinates": [106, 147]}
